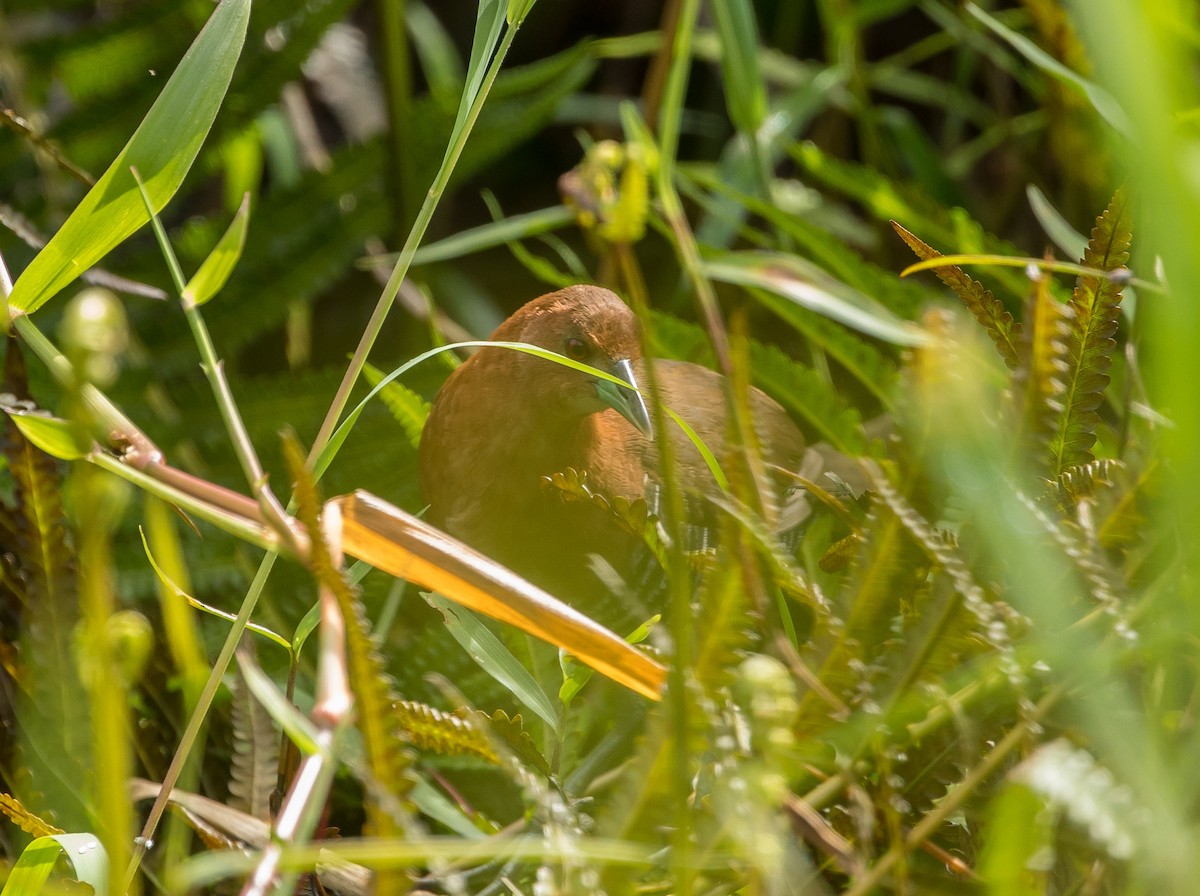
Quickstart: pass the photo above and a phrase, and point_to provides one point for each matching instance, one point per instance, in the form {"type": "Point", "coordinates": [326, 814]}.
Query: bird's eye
{"type": "Point", "coordinates": [577, 349]}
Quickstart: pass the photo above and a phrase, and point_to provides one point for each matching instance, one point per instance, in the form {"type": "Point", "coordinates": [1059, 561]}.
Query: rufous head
{"type": "Point", "coordinates": [589, 325]}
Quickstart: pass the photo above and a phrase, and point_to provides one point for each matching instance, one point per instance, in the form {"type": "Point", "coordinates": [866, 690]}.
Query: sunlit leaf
{"type": "Point", "coordinates": [220, 263]}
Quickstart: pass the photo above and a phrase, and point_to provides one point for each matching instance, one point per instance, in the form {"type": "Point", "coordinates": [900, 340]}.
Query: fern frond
{"type": "Point", "coordinates": [632, 516]}
{"type": "Point", "coordinates": [27, 821]}
{"type": "Point", "coordinates": [1075, 483]}
{"type": "Point", "coordinates": [1003, 330]}
{"type": "Point", "coordinates": [406, 406]}
{"type": "Point", "coordinates": [444, 733]}
{"type": "Point", "coordinates": [1038, 379]}
{"type": "Point", "coordinates": [255, 762]}
{"type": "Point", "coordinates": [1096, 305]}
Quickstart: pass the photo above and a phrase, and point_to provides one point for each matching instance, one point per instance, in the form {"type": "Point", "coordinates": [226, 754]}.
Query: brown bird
{"type": "Point", "coordinates": [505, 420]}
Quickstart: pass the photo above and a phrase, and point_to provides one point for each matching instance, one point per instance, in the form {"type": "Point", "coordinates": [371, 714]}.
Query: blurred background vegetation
{"type": "Point", "coordinates": [980, 677]}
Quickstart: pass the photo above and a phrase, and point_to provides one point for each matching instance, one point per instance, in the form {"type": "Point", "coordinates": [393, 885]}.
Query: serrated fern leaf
{"type": "Point", "coordinates": [1096, 305]}
{"type": "Point", "coordinates": [406, 406]}
{"type": "Point", "coordinates": [1003, 330]}
{"type": "Point", "coordinates": [444, 733]}
{"type": "Point", "coordinates": [1037, 381]}
{"type": "Point", "coordinates": [27, 821]}
{"type": "Point", "coordinates": [1076, 483]}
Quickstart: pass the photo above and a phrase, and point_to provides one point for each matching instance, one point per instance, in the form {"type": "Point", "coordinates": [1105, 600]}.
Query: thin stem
{"type": "Point", "coordinates": [196, 722]}
{"type": "Point", "coordinates": [181, 491]}
{"type": "Point", "coordinates": [118, 427]}
{"type": "Point", "coordinates": [214, 370]}
{"type": "Point", "coordinates": [404, 261]}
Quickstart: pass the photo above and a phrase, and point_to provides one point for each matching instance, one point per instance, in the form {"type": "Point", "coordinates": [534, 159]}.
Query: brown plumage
{"type": "Point", "coordinates": [504, 420]}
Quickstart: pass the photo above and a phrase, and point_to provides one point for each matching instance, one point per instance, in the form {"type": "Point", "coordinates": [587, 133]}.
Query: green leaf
{"type": "Point", "coordinates": [205, 608]}
{"type": "Point", "coordinates": [745, 92]}
{"type": "Point", "coordinates": [220, 263]}
{"type": "Point", "coordinates": [53, 435]}
{"type": "Point", "coordinates": [1103, 101]}
{"type": "Point", "coordinates": [489, 22]}
{"type": "Point", "coordinates": [162, 149]}
{"type": "Point", "coordinates": [988, 310]}
{"type": "Point", "coordinates": [1063, 234]}
{"type": "Point", "coordinates": [494, 658]}
{"type": "Point", "coordinates": [87, 857]}
{"type": "Point", "coordinates": [807, 285]}
{"type": "Point", "coordinates": [487, 236]}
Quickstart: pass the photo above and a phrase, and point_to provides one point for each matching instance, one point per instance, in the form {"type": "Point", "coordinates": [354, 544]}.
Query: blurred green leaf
{"type": "Point", "coordinates": [1103, 101]}
{"type": "Point", "coordinates": [745, 92]}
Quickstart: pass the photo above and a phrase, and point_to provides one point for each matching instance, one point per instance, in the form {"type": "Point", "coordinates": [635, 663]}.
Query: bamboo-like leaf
{"type": "Point", "coordinates": [1069, 240]}
{"type": "Point", "coordinates": [404, 546]}
{"type": "Point", "coordinates": [386, 757]}
{"type": "Point", "coordinates": [52, 435]}
{"type": "Point", "coordinates": [1103, 101]}
{"type": "Point", "coordinates": [745, 91]}
{"type": "Point", "coordinates": [220, 263]}
{"type": "Point", "coordinates": [1003, 330]}
{"type": "Point", "coordinates": [162, 149]}
{"type": "Point", "coordinates": [807, 285]}
{"type": "Point", "coordinates": [1096, 304]}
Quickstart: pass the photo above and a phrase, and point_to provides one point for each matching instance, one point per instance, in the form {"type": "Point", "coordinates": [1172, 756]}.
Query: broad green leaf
{"type": "Point", "coordinates": [162, 149]}
{"type": "Point", "coordinates": [494, 658]}
{"type": "Point", "coordinates": [57, 437]}
{"type": "Point", "coordinates": [87, 857]}
{"type": "Point", "coordinates": [220, 263]}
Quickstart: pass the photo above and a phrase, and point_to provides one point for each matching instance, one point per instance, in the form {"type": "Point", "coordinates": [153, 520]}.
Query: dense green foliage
{"type": "Point", "coordinates": [977, 676]}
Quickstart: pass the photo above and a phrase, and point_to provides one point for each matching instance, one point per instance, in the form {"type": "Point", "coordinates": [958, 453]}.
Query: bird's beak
{"type": "Point", "coordinates": [626, 402]}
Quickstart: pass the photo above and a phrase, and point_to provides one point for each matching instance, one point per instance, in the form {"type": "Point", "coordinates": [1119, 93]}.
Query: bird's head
{"type": "Point", "coordinates": [587, 324]}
